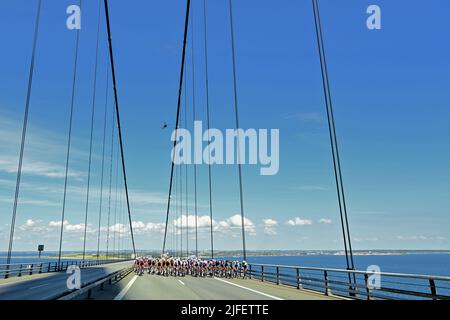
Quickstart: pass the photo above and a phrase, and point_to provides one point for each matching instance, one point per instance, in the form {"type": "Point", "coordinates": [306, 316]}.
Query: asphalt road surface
{"type": "Point", "coordinates": [51, 285]}
{"type": "Point", "coordinates": [152, 287]}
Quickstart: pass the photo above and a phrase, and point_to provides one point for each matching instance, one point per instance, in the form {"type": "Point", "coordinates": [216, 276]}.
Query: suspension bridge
{"type": "Point", "coordinates": [106, 270]}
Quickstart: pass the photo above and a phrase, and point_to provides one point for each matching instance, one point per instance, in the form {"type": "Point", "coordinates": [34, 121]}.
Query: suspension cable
{"type": "Point", "coordinates": [193, 120]}
{"type": "Point", "coordinates": [236, 111]}
{"type": "Point", "coordinates": [209, 126]}
{"type": "Point", "coordinates": [176, 212]}
{"type": "Point", "coordinates": [110, 182]}
{"type": "Point", "coordinates": [181, 207]}
{"type": "Point", "coordinates": [186, 169]}
{"type": "Point", "coordinates": [333, 139]}
{"type": "Point", "coordinates": [92, 129]}
{"type": "Point", "coordinates": [119, 247]}
{"type": "Point", "coordinates": [103, 162]}
{"type": "Point", "coordinates": [111, 57]}
{"type": "Point", "coordinates": [24, 131]}
{"type": "Point", "coordinates": [115, 203]}
{"type": "Point", "coordinates": [180, 89]}
{"type": "Point", "coordinates": [69, 142]}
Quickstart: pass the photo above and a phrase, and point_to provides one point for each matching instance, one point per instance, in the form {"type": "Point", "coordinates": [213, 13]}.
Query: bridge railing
{"type": "Point", "coordinates": [30, 268]}
{"type": "Point", "coordinates": [355, 284]}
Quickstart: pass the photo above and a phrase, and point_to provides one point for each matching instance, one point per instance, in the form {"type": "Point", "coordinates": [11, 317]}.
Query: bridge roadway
{"type": "Point", "coordinates": [153, 287]}
{"type": "Point", "coordinates": [48, 286]}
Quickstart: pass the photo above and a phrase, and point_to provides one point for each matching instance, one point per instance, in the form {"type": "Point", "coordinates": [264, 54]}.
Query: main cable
{"type": "Point", "coordinates": [116, 99]}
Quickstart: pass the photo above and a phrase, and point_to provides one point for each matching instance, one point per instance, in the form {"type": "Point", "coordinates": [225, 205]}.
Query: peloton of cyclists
{"type": "Point", "coordinates": [193, 266]}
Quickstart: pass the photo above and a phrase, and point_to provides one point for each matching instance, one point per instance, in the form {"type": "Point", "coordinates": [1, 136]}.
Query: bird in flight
{"type": "Point", "coordinates": [164, 125]}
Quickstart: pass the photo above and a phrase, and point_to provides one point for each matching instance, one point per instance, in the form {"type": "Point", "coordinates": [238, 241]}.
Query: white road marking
{"type": "Point", "coordinates": [42, 285]}
{"type": "Point", "coordinates": [255, 291]}
{"type": "Point", "coordinates": [181, 282]}
{"type": "Point", "coordinates": [125, 290]}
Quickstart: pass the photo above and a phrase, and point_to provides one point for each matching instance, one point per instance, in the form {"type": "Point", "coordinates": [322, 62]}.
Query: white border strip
{"type": "Point", "coordinates": [125, 290]}
{"type": "Point", "coordinates": [255, 291]}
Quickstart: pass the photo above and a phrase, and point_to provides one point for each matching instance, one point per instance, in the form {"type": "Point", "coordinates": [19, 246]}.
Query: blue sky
{"type": "Point", "coordinates": [391, 96]}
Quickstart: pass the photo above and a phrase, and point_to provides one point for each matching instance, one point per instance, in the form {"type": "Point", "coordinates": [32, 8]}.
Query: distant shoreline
{"type": "Point", "coordinates": [237, 253]}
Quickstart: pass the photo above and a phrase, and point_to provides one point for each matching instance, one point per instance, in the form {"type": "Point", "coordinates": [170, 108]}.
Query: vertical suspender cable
{"type": "Point", "coordinates": [69, 142]}
{"type": "Point", "coordinates": [175, 211]}
{"type": "Point", "coordinates": [181, 207]}
{"type": "Point", "coordinates": [92, 131]}
{"type": "Point", "coordinates": [209, 126]}
{"type": "Point", "coordinates": [333, 139]}
{"type": "Point", "coordinates": [119, 248]}
{"type": "Point", "coordinates": [186, 169]}
{"type": "Point", "coordinates": [241, 196]}
{"type": "Point", "coordinates": [180, 89]}
{"type": "Point", "coordinates": [193, 121]}
{"type": "Point", "coordinates": [24, 132]}
{"type": "Point", "coordinates": [103, 163]}
{"type": "Point", "coordinates": [110, 184]}
{"type": "Point", "coordinates": [115, 203]}
{"type": "Point", "coordinates": [111, 57]}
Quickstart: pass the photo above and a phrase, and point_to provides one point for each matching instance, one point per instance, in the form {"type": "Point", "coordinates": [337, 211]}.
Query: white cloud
{"type": "Point", "coordinates": [140, 227]}
{"type": "Point", "coordinates": [224, 226]}
{"type": "Point", "coordinates": [117, 228]}
{"type": "Point", "coordinates": [270, 231]}
{"type": "Point", "coordinates": [299, 222]}
{"type": "Point", "coordinates": [270, 223]}
{"type": "Point", "coordinates": [235, 222]}
{"type": "Point", "coordinates": [30, 223]}
{"type": "Point", "coordinates": [269, 227]}
{"type": "Point", "coordinates": [57, 223]}
{"type": "Point", "coordinates": [189, 222]}
{"type": "Point", "coordinates": [74, 227]}
{"type": "Point", "coordinates": [325, 221]}
{"type": "Point", "coordinates": [71, 228]}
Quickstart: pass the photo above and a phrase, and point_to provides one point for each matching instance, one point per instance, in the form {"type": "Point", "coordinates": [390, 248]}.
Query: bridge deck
{"type": "Point", "coordinates": [151, 287]}
{"type": "Point", "coordinates": [50, 285]}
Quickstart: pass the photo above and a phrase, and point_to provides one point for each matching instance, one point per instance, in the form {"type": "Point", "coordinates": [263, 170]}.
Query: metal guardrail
{"type": "Point", "coordinates": [88, 288]}
{"type": "Point", "coordinates": [20, 269]}
{"type": "Point", "coordinates": [355, 284]}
